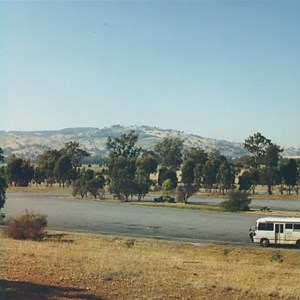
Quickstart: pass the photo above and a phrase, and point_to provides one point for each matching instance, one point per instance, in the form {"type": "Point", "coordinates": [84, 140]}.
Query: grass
{"type": "Point", "coordinates": [109, 267]}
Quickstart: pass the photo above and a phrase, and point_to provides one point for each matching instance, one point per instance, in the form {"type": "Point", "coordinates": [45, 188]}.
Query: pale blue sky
{"type": "Point", "coordinates": [220, 69]}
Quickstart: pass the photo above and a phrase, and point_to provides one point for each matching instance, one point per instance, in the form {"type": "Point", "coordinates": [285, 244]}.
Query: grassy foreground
{"type": "Point", "coordinates": [81, 266]}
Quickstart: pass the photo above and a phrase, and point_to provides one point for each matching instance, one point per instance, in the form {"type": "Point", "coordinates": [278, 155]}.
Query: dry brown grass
{"type": "Point", "coordinates": [105, 267]}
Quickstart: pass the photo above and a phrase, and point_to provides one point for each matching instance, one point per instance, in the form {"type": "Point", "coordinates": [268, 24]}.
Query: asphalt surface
{"type": "Point", "coordinates": [66, 213]}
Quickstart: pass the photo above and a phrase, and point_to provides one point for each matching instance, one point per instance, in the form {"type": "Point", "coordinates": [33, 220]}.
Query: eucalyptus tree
{"type": "Point", "coordinates": [257, 145]}
{"type": "Point", "coordinates": [211, 169]}
{"type": "Point", "coordinates": [266, 156]}
{"type": "Point", "coordinates": [122, 158]}
{"type": "Point", "coordinates": [248, 180]}
{"type": "Point", "coordinates": [63, 170]}
{"type": "Point", "coordinates": [188, 184]}
{"type": "Point", "coordinates": [289, 173]}
{"type": "Point", "coordinates": [225, 176]}
{"type": "Point", "coordinates": [45, 165]}
{"type": "Point", "coordinates": [145, 165]}
{"type": "Point", "coordinates": [169, 152]}
{"type": "Point", "coordinates": [19, 171]}
{"type": "Point", "coordinates": [74, 152]}
{"type": "Point", "coordinates": [270, 171]}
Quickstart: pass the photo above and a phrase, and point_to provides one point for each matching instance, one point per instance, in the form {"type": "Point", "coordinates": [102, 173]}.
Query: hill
{"type": "Point", "coordinates": [29, 144]}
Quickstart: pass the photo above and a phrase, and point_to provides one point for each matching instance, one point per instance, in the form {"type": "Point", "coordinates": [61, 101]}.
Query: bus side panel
{"type": "Point", "coordinates": [264, 234]}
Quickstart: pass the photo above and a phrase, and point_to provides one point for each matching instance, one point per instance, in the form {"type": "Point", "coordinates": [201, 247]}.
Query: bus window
{"type": "Point", "coordinates": [297, 227]}
{"type": "Point", "coordinates": [288, 226]}
{"type": "Point", "coordinates": [265, 226]}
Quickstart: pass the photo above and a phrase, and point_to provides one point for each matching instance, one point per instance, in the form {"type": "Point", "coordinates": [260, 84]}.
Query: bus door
{"type": "Point", "coordinates": [279, 233]}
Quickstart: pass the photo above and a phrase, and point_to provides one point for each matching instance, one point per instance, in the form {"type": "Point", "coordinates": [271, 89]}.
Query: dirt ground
{"type": "Point", "coordinates": [80, 266]}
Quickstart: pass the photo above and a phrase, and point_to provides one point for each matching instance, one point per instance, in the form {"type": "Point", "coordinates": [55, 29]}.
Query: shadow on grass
{"type": "Point", "coordinates": [14, 290]}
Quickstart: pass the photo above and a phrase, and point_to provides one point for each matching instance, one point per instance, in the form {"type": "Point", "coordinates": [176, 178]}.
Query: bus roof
{"type": "Point", "coordinates": [279, 220]}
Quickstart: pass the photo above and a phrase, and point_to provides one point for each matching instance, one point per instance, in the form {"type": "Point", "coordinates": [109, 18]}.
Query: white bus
{"type": "Point", "coordinates": [276, 230]}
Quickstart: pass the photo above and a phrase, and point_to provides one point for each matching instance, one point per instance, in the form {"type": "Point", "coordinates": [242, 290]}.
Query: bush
{"type": "Point", "coordinates": [29, 226]}
{"type": "Point", "coordinates": [237, 201]}
{"type": "Point", "coordinates": [277, 257]}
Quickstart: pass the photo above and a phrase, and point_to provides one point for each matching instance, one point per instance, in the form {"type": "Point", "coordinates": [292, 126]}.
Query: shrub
{"type": "Point", "coordinates": [29, 226]}
{"type": "Point", "coordinates": [237, 201]}
{"type": "Point", "coordinates": [277, 257]}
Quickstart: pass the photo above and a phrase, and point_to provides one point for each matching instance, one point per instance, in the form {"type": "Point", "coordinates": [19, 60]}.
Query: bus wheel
{"type": "Point", "coordinates": [298, 244]}
{"type": "Point", "coordinates": [265, 242]}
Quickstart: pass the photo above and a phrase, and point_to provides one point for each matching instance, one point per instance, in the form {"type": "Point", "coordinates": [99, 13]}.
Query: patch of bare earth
{"type": "Point", "coordinates": [78, 266]}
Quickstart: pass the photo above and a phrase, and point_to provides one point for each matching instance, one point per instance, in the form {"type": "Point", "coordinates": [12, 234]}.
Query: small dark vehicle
{"type": "Point", "coordinates": [165, 199]}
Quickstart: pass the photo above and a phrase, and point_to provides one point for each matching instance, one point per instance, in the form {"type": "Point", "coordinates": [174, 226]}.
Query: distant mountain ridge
{"type": "Point", "coordinates": [29, 144]}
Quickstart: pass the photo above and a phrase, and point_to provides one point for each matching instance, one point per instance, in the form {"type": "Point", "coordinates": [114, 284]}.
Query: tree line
{"type": "Point", "coordinates": [128, 170]}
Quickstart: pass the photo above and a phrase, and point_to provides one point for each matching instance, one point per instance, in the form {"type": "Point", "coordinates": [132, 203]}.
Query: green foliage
{"type": "Point", "coordinates": [248, 180]}
{"type": "Point", "coordinates": [89, 181]}
{"type": "Point", "coordinates": [95, 185]}
{"type": "Point", "coordinates": [289, 173]}
{"type": "Point", "coordinates": [125, 146]}
{"type": "Point", "coordinates": [237, 201]}
{"type": "Point", "coordinates": [256, 144]}
{"type": "Point", "coordinates": [29, 226]}
{"type": "Point", "coordinates": [129, 167]}
{"type": "Point", "coordinates": [169, 152]}
{"type": "Point", "coordinates": [266, 157]}
{"type": "Point", "coordinates": [212, 168]}
{"type": "Point", "coordinates": [74, 153]}
{"type": "Point", "coordinates": [166, 187]}
{"type": "Point", "coordinates": [167, 173]}
{"type": "Point", "coordinates": [19, 171]}
{"type": "Point", "coordinates": [59, 166]}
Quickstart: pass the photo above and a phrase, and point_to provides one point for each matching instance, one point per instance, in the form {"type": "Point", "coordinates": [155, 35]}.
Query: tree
{"type": "Point", "coordinates": [266, 158]}
{"type": "Point", "coordinates": [237, 201]}
{"type": "Point", "coordinates": [45, 165]}
{"type": "Point", "coordinates": [270, 172]}
{"type": "Point", "coordinates": [63, 169]}
{"type": "Point", "coordinates": [166, 187]}
{"type": "Point", "coordinates": [125, 146]}
{"type": "Point", "coordinates": [211, 169]}
{"type": "Point", "coordinates": [257, 144]}
{"type": "Point", "coordinates": [165, 173]}
{"type": "Point", "coordinates": [145, 165]}
{"type": "Point", "coordinates": [188, 186]}
{"type": "Point", "coordinates": [19, 171]}
{"type": "Point", "coordinates": [169, 152]}
{"type": "Point", "coordinates": [199, 156]}
{"type": "Point", "coordinates": [75, 154]}
{"type": "Point", "coordinates": [289, 173]}
{"type": "Point", "coordinates": [225, 176]}
{"type": "Point", "coordinates": [59, 165]}
{"type": "Point", "coordinates": [122, 160]}
{"type": "Point", "coordinates": [248, 180]}
{"type": "Point", "coordinates": [95, 184]}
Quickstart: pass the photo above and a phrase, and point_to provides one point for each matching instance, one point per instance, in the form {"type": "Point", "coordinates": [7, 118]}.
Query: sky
{"type": "Point", "coordinates": [218, 69]}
